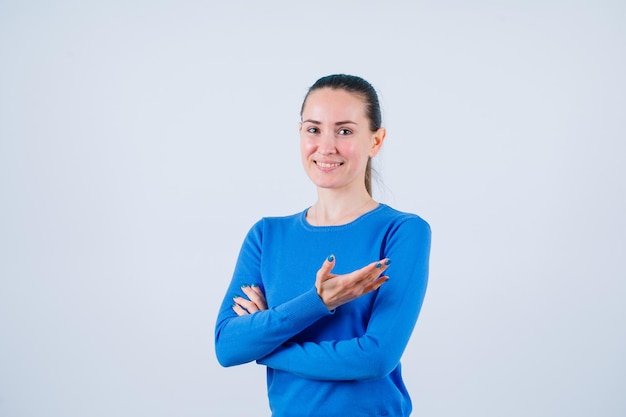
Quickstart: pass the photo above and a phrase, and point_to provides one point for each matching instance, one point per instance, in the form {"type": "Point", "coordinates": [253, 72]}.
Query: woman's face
{"type": "Point", "coordinates": [336, 140]}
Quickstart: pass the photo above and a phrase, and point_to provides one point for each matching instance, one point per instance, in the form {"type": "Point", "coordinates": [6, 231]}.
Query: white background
{"type": "Point", "coordinates": [139, 140]}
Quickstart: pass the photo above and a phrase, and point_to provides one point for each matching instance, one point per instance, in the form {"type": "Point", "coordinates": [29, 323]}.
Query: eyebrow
{"type": "Point", "coordinates": [343, 122]}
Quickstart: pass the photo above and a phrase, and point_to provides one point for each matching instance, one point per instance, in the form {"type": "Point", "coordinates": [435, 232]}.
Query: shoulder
{"type": "Point", "coordinates": [406, 234]}
{"type": "Point", "coordinates": [397, 218]}
{"type": "Point", "coordinates": [269, 229]}
{"type": "Point", "coordinates": [282, 221]}
{"type": "Point", "coordinates": [270, 223]}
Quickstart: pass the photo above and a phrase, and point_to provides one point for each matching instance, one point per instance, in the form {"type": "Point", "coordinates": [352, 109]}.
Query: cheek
{"type": "Point", "coordinates": [351, 149]}
{"type": "Point", "coordinates": [306, 148]}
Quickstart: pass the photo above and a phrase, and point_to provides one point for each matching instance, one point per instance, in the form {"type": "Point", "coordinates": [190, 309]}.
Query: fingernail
{"type": "Point", "coordinates": [253, 285]}
{"type": "Point", "coordinates": [331, 258]}
{"type": "Point", "coordinates": [388, 261]}
{"type": "Point", "coordinates": [244, 285]}
{"type": "Point", "coordinates": [378, 265]}
{"type": "Point", "coordinates": [233, 306]}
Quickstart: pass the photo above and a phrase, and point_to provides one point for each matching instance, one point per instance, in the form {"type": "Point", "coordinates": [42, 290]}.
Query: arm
{"type": "Point", "coordinates": [393, 317]}
{"type": "Point", "coordinates": [249, 337]}
{"type": "Point", "coordinates": [241, 339]}
{"type": "Point", "coordinates": [247, 330]}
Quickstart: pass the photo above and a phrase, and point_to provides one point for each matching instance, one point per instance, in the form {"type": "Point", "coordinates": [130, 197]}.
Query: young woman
{"type": "Point", "coordinates": [315, 296]}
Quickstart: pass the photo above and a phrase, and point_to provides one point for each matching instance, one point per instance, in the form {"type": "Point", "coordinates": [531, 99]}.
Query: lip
{"type": "Point", "coordinates": [327, 165]}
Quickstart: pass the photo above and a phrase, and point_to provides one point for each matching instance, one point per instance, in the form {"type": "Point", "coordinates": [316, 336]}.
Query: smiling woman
{"type": "Point", "coordinates": [369, 103]}
{"type": "Point", "coordinates": [331, 334]}
{"type": "Point", "coordinates": [337, 142]}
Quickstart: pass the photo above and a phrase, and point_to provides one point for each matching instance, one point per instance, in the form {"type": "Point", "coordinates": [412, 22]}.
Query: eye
{"type": "Point", "coordinates": [312, 129]}
{"type": "Point", "coordinates": [343, 132]}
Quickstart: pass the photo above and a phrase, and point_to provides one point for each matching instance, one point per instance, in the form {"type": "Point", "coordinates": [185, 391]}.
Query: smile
{"type": "Point", "coordinates": [328, 165]}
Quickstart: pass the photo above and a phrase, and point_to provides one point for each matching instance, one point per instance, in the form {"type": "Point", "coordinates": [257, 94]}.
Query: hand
{"type": "Point", "coordinates": [255, 301]}
{"type": "Point", "coordinates": [336, 290]}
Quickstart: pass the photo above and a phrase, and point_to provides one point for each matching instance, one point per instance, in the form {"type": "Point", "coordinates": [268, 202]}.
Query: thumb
{"type": "Point", "coordinates": [324, 272]}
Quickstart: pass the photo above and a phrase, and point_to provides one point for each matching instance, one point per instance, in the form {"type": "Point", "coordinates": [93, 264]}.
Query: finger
{"type": "Point", "coordinates": [257, 290]}
{"type": "Point", "coordinates": [250, 306]}
{"type": "Point", "coordinates": [375, 269]}
{"type": "Point", "coordinates": [376, 284]}
{"type": "Point", "coordinates": [324, 272]}
{"type": "Point", "coordinates": [255, 295]}
{"type": "Point", "coordinates": [239, 310]}
{"type": "Point", "coordinates": [369, 272]}
{"type": "Point", "coordinates": [382, 264]}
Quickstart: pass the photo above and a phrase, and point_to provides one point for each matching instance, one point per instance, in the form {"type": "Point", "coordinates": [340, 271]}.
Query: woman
{"type": "Point", "coordinates": [331, 336]}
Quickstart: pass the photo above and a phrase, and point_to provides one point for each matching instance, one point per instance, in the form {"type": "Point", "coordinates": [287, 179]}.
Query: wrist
{"type": "Point", "coordinates": [319, 294]}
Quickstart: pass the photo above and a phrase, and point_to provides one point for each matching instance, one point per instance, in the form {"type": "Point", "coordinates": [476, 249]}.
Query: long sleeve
{"type": "Point", "coordinates": [243, 339]}
{"type": "Point", "coordinates": [343, 363]}
{"type": "Point", "coordinates": [394, 313]}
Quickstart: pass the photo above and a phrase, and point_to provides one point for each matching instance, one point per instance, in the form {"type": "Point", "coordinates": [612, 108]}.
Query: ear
{"type": "Point", "coordinates": [299, 126]}
{"type": "Point", "coordinates": [377, 141]}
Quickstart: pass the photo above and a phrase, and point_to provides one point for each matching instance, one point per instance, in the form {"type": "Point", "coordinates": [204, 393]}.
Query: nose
{"type": "Point", "coordinates": [326, 144]}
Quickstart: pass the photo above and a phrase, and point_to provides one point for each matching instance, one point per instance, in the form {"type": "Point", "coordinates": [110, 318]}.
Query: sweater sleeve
{"type": "Point", "coordinates": [394, 314]}
{"type": "Point", "coordinates": [247, 338]}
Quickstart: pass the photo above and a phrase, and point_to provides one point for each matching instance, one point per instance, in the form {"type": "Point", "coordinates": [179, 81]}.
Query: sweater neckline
{"type": "Point", "coordinates": [354, 222]}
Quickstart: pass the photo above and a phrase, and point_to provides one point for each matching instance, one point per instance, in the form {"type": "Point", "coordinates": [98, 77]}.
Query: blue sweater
{"type": "Point", "coordinates": [322, 363]}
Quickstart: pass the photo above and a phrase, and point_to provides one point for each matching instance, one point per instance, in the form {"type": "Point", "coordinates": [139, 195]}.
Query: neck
{"type": "Point", "coordinates": [336, 208]}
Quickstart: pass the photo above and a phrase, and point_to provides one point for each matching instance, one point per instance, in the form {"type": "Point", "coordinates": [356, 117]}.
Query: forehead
{"type": "Point", "coordinates": [333, 103]}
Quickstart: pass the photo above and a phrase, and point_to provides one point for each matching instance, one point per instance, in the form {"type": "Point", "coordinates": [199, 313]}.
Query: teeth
{"type": "Point", "coordinates": [324, 165]}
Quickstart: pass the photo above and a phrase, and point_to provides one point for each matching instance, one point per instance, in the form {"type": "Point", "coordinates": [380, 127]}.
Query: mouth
{"type": "Point", "coordinates": [328, 165]}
